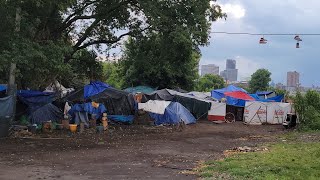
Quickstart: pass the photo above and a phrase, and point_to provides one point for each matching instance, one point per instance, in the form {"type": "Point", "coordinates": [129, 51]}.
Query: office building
{"type": "Point", "coordinates": [231, 73]}
{"type": "Point", "coordinates": [293, 79]}
{"type": "Point", "coordinates": [209, 69]}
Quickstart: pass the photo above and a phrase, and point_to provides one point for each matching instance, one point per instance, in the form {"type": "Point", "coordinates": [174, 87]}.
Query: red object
{"type": "Point", "coordinates": [215, 118]}
{"type": "Point", "coordinates": [239, 95]}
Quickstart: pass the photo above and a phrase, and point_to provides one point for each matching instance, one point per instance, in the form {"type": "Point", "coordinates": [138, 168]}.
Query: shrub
{"type": "Point", "coordinates": [308, 109]}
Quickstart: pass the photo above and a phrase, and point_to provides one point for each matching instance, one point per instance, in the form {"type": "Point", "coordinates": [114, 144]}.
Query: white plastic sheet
{"type": "Point", "coordinates": [156, 106]}
{"type": "Point", "coordinates": [266, 112]}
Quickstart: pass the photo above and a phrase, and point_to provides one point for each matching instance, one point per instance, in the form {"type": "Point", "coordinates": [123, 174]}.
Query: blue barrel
{"type": "Point", "coordinates": [4, 126]}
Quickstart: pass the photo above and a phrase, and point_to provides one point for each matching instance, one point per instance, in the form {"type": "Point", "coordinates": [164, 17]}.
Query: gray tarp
{"type": "Point", "coordinates": [6, 106]}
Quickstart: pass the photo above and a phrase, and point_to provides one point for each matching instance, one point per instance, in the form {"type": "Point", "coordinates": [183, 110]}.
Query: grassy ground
{"type": "Point", "coordinates": [296, 157]}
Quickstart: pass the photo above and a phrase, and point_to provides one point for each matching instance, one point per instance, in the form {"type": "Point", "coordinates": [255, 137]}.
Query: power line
{"type": "Point", "coordinates": [264, 34]}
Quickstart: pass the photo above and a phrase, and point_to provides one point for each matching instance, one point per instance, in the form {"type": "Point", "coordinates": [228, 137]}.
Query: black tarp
{"type": "Point", "coordinates": [198, 108]}
{"type": "Point", "coordinates": [48, 112]}
{"type": "Point", "coordinates": [116, 101]}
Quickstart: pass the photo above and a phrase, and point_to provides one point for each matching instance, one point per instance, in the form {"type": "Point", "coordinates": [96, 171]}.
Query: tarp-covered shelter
{"type": "Point", "coordinates": [140, 89]}
{"type": "Point", "coordinates": [198, 107]}
{"type": "Point", "coordinates": [266, 112]}
{"type": "Point", "coordinates": [174, 114]}
{"type": "Point", "coordinates": [117, 102]}
{"type": "Point", "coordinates": [6, 106]}
{"type": "Point", "coordinates": [219, 93]}
{"type": "Point", "coordinates": [39, 106]}
{"type": "Point", "coordinates": [48, 112]}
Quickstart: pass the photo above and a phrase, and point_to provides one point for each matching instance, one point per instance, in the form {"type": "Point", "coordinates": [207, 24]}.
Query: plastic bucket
{"type": "Point", "coordinates": [73, 128]}
{"type": "Point", "coordinates": [4, 126]}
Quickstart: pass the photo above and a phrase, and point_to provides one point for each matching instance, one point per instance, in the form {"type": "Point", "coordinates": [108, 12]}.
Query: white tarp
{"type": "Point", "coordinates": [266, 112]}
{"type": "Point", "coordinates": [156, 106]}
{"type": "Point", "coordinates": [217, 111]}
{"type": "Point", "coordinates": [57, 87]}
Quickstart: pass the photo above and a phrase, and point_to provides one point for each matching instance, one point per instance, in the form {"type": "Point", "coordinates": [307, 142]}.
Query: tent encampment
{"type": "Point", "coordinates": [198, 107]}
{"type": "Point", "coordinates": [266, 112]}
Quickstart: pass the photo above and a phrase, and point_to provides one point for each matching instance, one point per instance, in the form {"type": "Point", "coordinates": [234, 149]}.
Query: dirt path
{"type": "Point", "coordinates": [135, 152]}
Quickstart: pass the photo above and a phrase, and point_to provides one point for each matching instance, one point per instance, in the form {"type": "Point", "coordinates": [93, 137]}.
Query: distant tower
{"type": "Point", "coordinates": [293, 79]}
{"type": "Point", "coordinates": [209, 69]}
{"type": "Point", "coordinates": [231, 73]}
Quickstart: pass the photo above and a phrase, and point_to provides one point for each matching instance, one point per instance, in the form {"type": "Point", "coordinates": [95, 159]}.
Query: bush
{"type": "Point", "coordinates": [308, 109]}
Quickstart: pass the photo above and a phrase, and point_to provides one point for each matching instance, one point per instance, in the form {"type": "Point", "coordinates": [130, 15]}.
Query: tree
{"type": "Point", "coordinates": [260, 80]}
{"type": "Point", "coordinates": [209, 82]}
{"type": "Point", "coordinates": [168, 56]}
{"type": "Point", "coordinates": [72, 26]}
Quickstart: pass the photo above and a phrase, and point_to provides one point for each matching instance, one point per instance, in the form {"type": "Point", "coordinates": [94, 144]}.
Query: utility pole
{"type": "Point", "coordinates": [12, 75]}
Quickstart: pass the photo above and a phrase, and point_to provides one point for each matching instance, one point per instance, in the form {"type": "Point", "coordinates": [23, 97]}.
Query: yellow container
{"type": "Point", "coordinates": [73, 128]}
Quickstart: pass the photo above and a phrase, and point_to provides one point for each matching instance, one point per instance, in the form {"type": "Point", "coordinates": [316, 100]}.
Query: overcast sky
{"type": "Point", "coordinates": [279, 55]}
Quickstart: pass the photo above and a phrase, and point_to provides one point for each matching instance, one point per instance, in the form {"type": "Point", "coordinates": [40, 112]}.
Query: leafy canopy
{"type": "Point", "coordinates": [260, 80]}
{"type": "Point", "coordinates": [209, 82]}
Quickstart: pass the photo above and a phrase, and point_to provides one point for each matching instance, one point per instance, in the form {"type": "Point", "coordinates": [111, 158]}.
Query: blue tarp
{"type": "Point", "coordinates": [94, 88]}
{"type": "Point", "coordinates": [35, 99]}
{"type": "Point", "coordinates": [219, 93]}
{"type": "Point", "coordinates": [3, 88]}
{"type": "Point", "coordinates": [264, 93]}
{"type": "Point", "coordinates": [6, 106]}
{"type": "Point", "coordinates": [142, 89]}
{"type": "Point", "coordinates": [273, 99]}
{"type": "Point", "coordinates": [88, 108]}
{"type": "Point", "coordinates": [174, 114]}
{"type": "Point", "coordinates": [121, 118]}
{"type": "Point", "coordinates": [235, 102]}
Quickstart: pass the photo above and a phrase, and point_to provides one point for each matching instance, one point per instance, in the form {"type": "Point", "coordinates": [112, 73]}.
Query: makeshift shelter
{"type": "Point", "coordinates": [79, 112]}
{"type": "Point", "coordinates": [266, 112]}
{"type": "Point", "coordinates": [140, 89]}
{"type": "Point", "coordinates": [174, 114]}
{"type": "Point", "coordinates": [117, 102]}
{"type": "Point", "coordinates": [6, 106]}
{"type": "Point", "coordinates": [219, 93]}
{"type": "Point", "coordinates": [198, 107]}
{"type": "Point", "coordinates": [39, 106]}
{"type": "Point", "coordinates": [48, 112]}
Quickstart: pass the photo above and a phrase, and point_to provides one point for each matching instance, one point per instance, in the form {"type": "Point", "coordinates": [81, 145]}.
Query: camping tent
{"type": "Point", "coordinates": [174, 113]}
{"type": "Point", "coordinates": [157, 107]}
{"type": "Point", "coordinates": [48, 112]}
{"type": "Point", "coordinates": [266, 112]}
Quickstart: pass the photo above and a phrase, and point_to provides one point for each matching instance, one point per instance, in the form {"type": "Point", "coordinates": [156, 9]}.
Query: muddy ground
{"type": "Point", "coordinates": [127, 152]}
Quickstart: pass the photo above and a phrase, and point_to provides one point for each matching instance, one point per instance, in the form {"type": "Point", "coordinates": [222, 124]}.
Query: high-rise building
{"type": "Point", "coordinates": [293, 79]}
{"type": "Point", "coordinates": [231, 64]}
{"type": "Point", "coordinates": [231, 73]}
{"type": "Point", "coordinates": [209, 69]}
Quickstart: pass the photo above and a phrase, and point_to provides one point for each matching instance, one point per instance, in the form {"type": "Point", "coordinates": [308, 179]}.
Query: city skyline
{"type": "Point", "coordinates": [280, 54]}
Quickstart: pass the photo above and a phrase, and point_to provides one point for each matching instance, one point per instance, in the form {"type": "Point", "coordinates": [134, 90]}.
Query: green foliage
{"type": "Point", "coordinates": [308, 109]}
{"type": "Point", "coordinates": [160, 61]}
{"type": "Point", "coordinates": [259, 80]}
{"type": "Point", "coordinates": [54, 36]}
{"type": "Point", "coordinates": [284, 161]}
{"type": "Point", "coordinates": [111, 75]}
{"type": "Point", "coordinates": [209, 82]}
